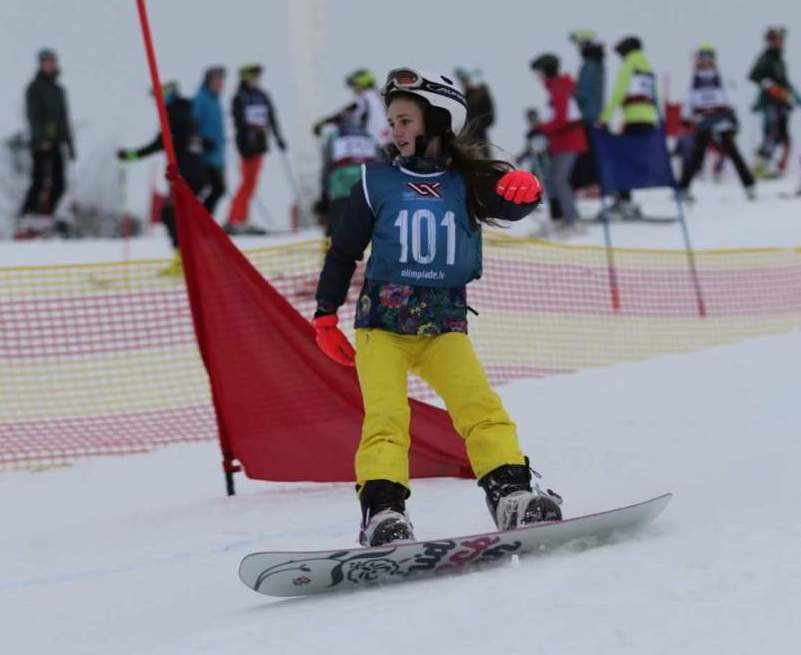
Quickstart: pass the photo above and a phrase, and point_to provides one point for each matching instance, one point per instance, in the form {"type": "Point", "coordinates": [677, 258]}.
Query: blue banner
{"type": "Point", "coordinates": [632, 161]}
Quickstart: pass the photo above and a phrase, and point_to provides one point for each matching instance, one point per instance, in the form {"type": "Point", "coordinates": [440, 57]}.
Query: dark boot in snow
{"type": "Point", "coordinates": [513, 503]}
{"type": "Point", "coordinates": [384, 518]}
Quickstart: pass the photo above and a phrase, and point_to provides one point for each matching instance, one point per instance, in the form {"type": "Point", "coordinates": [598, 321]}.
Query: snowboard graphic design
{"type": "Point", "coordinates": [313, 572]}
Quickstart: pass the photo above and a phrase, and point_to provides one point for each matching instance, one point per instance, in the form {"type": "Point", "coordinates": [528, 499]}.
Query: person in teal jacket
{"type": "Point", "coordinates": [208, 113]}
{"type": "Point", "coordinates": [590, 92]}
{"type": "Point", "coordinates": [635, 94]}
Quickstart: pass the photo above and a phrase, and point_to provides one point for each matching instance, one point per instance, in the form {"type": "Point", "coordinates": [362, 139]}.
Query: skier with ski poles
{"type": "Point", "coordinates": [255, 119]}
{"type": "Point", "coordinates": [189, 149]}
{"type": "Point", "coordinates": [422, 213]}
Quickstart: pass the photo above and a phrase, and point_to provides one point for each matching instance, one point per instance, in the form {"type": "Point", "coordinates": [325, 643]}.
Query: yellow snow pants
{"type": "Point", "coordinates": [449, 364]}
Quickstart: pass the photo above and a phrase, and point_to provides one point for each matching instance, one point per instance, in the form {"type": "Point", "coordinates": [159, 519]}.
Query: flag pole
{"type": "Point", "coordinates": [166, 134]}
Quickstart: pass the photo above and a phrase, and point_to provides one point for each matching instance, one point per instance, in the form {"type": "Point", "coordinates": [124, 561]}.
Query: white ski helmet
{"type": "Point", "coordinates": [437, 90]}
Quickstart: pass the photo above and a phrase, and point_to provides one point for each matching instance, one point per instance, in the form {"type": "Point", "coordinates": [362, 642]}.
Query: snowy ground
{"type": "Point", "coordinates": [139, 554]}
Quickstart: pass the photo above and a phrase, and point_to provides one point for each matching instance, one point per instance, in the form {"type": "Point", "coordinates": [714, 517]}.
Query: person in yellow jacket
{"type": "Point", "coordinates": [635, 93]}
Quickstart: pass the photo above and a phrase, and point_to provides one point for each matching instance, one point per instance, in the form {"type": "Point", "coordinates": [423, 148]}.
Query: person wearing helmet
{"type": "Point", "coordinates": [480, 108]}
{"type": "Point", "coordinates": [50, 133]}
{"type": "Point", "coordinates": [775, 102]}
{"type": "Point", "coordinates": [347, 146]}
{"type": "Point", "coordinates": [189, 148]}
{"type": "Point", "coordinates": [208, 112]}
{"type": "Point", "coordinates": [566, 137]}
{"type": "Point", "coordinates": [368, 109]}
{"type": "Point", "coordinates": [714, 120]}
{"type": "Point", "coordinates": [422, 214]}
{"type": "Point", "coordinates": [255, 120]}
{"type": "Point", "coordinates": [635, 92]}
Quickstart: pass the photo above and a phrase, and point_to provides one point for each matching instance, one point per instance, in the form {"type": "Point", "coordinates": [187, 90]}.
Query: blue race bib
{"type": "Point", "coordinates": [422, 232]}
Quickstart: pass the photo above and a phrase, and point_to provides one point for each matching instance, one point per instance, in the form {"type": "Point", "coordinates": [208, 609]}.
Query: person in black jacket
{"type": "Point", "coordinates": [48, 118]}
{"type": "Point", "coordinates": [189, 149]}
{"type": "Point", "coordinates": [254, 119]}
{"type": "Point", "coordinates": [775, 102]}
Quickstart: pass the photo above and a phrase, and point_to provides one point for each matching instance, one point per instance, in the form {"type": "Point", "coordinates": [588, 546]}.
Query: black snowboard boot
{"type": "Point", "coordinates": [513, 503]}
{"type": "Point", "coordinates": [384, 518]}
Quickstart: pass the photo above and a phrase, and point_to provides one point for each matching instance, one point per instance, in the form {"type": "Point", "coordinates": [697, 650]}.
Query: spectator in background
{"type": "Point", "coordinates": [590, 90]}
{"type": "Point", "coordinates": [367, 110]}
{"type": "Point", "coordinates": [348, 145]}
{"type": "Point", "coordinates": [189, 150]}
{"type": "Point", "coordinates": [714, 120]}
{"type": "Point", "coordinates": [775, 102]}
{"type": "Point", "coordinates": [254, 119]}
{"type": "Point", "coordinates": [208, 112]}
{"type": "Point", "coordinates": [480, 108]}
{"type": "Point", "coordinates": [565, 132]}
{"type": "Point", "coordinates": [535, 152]}
{"type": "Point", "coordinates": [635, 93]}
{"type": "Point", "coordinates": [50, 132]}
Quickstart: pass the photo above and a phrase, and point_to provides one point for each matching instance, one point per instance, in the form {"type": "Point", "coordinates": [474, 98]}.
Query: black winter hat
{"type": "Point", "coordinates": [628, 44]}
{"type": "Point", "coordinates": [593, 50]}
{"type": "Point", "coordinates": [213, 71]}
{"type": "Point", "coordinates": [45, 54]}
{"type": "Point", "coordinates": [548, 63]}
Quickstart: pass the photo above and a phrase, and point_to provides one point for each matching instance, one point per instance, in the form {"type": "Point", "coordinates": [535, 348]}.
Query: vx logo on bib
{"type": "Point", "coordinates": [426, 189]}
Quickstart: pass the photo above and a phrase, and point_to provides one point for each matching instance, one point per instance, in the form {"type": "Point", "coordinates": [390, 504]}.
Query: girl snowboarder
{"type": "Point", "coordinates": [423, 214]}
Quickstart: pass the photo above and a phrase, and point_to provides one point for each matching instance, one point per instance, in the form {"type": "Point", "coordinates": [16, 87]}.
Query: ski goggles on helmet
{"type": "Point", "coordinates": [407, 79]}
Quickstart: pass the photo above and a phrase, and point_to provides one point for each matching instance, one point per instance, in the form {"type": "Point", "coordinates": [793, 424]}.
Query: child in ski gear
{"type": "Point", "coordinates": [714, 120]}
{"type": "Point", "coordinates": [254, 120]}
{"type": "Point", "coordinates": [189, 148]}
{"type": "Point", "coordinates": [635, 92]}
{"type": "Point", "coordinates": [347, 147]}
{"type": "Point", "coordinates": [208, 113]}
{"type": "Point", "coordinates": [422, 214]}
{"type": "Point", "coordinates": [367, 109]}
{"type": "Point", "coordinates": [565, 132]}
{"type": "Point", "coordinates": [775, 102]}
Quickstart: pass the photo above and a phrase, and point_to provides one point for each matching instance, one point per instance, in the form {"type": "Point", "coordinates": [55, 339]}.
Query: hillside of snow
{"type": "Point", "coordinates": [139, 554]}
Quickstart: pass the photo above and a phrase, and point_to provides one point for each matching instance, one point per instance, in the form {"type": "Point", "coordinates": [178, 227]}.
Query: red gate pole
{"type": "Point", "coordinates": [166, 134]}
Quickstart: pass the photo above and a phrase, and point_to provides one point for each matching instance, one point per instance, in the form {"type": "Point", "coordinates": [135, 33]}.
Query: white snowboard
{"type": "Point", "coordinates": [312, 572]}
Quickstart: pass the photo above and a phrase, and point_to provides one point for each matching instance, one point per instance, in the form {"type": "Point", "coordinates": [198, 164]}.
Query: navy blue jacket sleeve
{"type": "Point", "coordinates": [348, 243]}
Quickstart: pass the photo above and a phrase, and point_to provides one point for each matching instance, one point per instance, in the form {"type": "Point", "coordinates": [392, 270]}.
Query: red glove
{"type": "Point", "coordinates": [332, 341]}
{"type": "Point", "coordinates": [519, 187]}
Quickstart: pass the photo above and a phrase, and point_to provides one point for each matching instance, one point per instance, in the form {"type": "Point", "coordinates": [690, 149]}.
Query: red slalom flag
{"type": "Point", "coordinates": [284, 410]}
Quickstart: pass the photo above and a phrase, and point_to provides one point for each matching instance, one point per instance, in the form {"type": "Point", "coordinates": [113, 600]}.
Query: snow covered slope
{"type": "Point", "coordinates": [139, 555]}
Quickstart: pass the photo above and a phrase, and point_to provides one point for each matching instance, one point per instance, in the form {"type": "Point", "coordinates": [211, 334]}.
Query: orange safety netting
{"type": "Point", "coordinates": [102, 359]}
